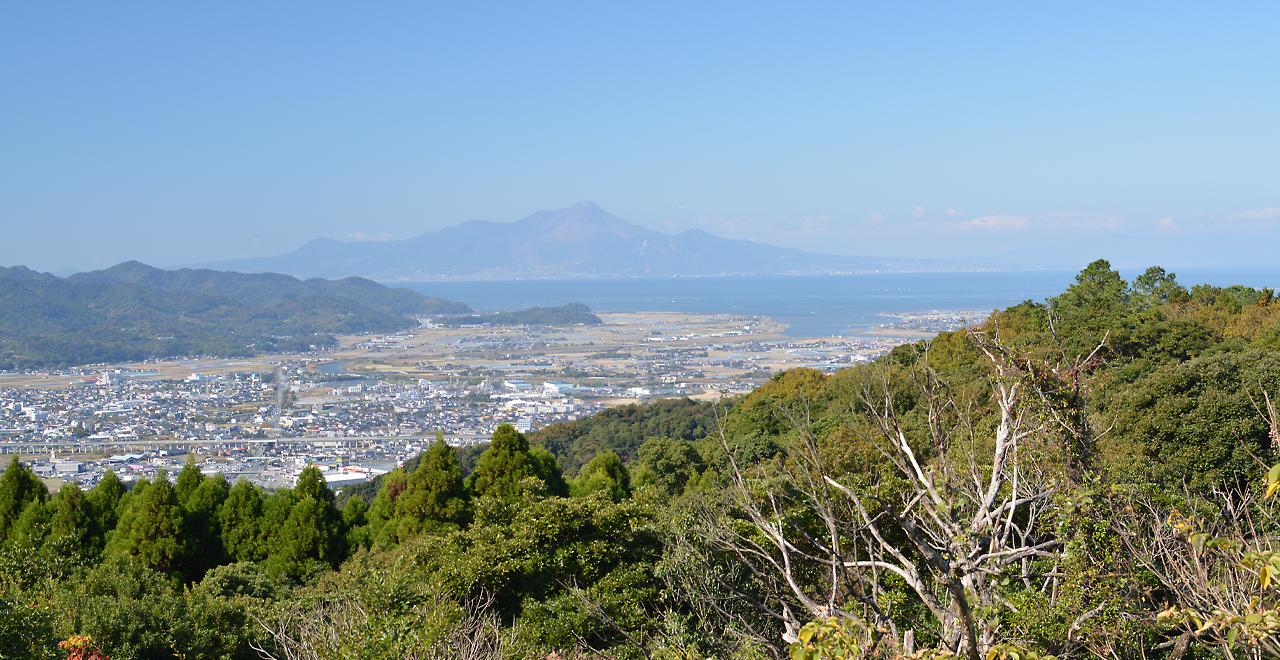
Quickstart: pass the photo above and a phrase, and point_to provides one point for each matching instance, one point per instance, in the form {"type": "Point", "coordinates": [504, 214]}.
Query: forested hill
{"type": "Point", "coordinates": [267, 289]}
{"type": "Point", "coordinates": [133, 312]}
{"type": "Point", "coordinates": [574, 313]}
{"type": "Point", "coordinates": [1091, 476]}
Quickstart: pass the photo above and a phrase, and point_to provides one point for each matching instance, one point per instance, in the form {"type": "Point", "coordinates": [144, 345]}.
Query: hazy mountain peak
{"type": "Point", "coordinates": [582, 240]}
{"type": "Point", "coordinates": [578, 223]}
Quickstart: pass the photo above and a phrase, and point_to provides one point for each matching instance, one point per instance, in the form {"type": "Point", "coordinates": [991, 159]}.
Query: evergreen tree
{"type": "Point", "coordinates": [356, 521]}
{"type": "Point", "coordinates": [275, 511]}
{"type": "Point", "coordinates": [502, 466]}
{"type": "Point", "coordinates": [383, 509]}
{"type": "Point", "coordinates": [434, 496]}
{"type": "Point", "coordinates": [313, 530]}
{"type": "Point", "coordinates": [19, 487]}
{"type": "Point", "coordinates": [189, 479]}
{"type": "Point", "coordinates": [105, 498]}
{"type": "Point", "coordinates": [240, 520]}
{"type": "Point", "coordinates": [32, 526]}
{"type": "Point", "coordinates": [74, 520]}
{"type": "Point", "coordinates": [201, 530]}
{"type": "Point", "coordinates": [150, 526]}
{"type": "Point", "coordinates": [546, 468]}
{"type": "Point", "coordinates": [670, 464]}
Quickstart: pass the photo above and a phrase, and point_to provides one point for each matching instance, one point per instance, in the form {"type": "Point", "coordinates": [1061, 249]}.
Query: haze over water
{"type": "Point", "coordinates": [811, 306]}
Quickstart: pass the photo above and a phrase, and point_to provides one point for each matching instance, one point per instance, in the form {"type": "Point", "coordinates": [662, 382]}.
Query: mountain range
{"type": "Point", "coordinates": [582, 241]}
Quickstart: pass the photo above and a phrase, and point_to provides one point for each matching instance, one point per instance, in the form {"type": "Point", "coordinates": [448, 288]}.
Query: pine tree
{"type": "Point", "coordinates": [150, 526]}
{"type": "Point", "coordinates": [189, 479]}
{"type": "Point", "coordinates": [201, 531]}
{"type": "Point", "coordinates": [313, 530]}
{"type": "Point", "coordinates": [502, 466]}
{"type": "Point", "coordinates": [74, 520]}
{"type": "Point", "coordinates": [240, 520]}
{"type": "Point", "coordinates": [19, 487]}
{"type": "Point", "coordinates": [434, 497]}
{"type": "Point", "coordinates": [105, 498]}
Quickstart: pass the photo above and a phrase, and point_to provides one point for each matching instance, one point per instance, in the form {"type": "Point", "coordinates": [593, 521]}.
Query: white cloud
{"type": "Point", "coordinates": [1268, 212]}
{"type": "Point", "coordinates": [952, 212]}
{"type": "Point", "coordinates": [918, 213]}
{"type": "Point", "coordinates": [998, 222]}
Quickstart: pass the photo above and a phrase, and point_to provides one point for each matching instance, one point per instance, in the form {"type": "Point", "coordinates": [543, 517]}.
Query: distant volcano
{"type": "Point", "coordinates": [582, 241]}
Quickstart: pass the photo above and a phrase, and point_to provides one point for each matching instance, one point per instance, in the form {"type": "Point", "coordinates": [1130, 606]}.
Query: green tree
{"type": "Point", "coordinates": [19, 486]}
{"type": "Point", "coordinates": [356, 521]}
{"type": "Point", "coordinates": [1096, 303]}
{"type": "Point", "coordinates": [605, 472]}
{"type": "Point", "coordinates": [313, 533]}
{"type": "Point", "coordinates": [32, 526]}
{"type": "Point", "coordinates": [502, 466]}
{"type": "Point", "coordinates": [74, 519]}
{"type": "Point", "coordinates": [150, 526]}
{"type": "Point", "coordinates": [670, 464]}
{"type": "Point", "coordinates": [1156, 287]}
{"type": "Point", "coordinates": [201, 527]}
{"type": "Point", "coordinates": [1193, 421]}
{"type": "Point", "coordinates": [434, 496]}
{"type": "Point", "coordinates": [189, 479]}
{"type": "Point", "coordinates": [382, 511]}
{"type": "Point", "coordinates": [549, 471]}
{"type": "Point", "coordinates": [105, 498]}
{"type": "Point", "coordinates": [240, 521]}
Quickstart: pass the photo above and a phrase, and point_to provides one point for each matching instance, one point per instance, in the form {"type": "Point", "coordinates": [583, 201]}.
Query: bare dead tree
{"type": "Point", "coordinates": [969, 518]}
{"type": "Point", "coordinates": [818, 544]}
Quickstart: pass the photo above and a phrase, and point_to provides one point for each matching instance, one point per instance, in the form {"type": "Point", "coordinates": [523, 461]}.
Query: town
{"type": "Point", "coordinates": [368, 406]}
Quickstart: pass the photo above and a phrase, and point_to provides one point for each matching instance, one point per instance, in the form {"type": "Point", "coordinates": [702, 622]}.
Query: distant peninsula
{"type": "Point", "coordinates": [133, 311]}
{"type": "Point", "coordinates": [565, 315]}
{"type": "Point", "coordinates": [582, 241]}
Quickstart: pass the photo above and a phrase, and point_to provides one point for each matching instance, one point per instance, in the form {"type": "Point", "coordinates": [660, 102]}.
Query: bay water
{"type": "Point", "coordinates": [810, 305]}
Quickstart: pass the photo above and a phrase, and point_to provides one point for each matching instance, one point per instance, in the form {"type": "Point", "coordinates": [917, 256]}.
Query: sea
{"type": "Point", "coordinates": [810, 305]}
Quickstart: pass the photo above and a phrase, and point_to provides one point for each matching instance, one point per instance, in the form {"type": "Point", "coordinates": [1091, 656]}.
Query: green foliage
{"type": "Point", "coordinates": [431, 499]}
{"type": "Point", "coordinates": [605, 473]}
{"type": "Point", "coordinates": [508, 461]}
{"type": "Point", "coordinates": [1194, 421]}
{"type": "Point", "coordinates": [240, 520]}
{"type": "Point", "coordinates": [647, 559]}
{"type": "Point", "coordinates": [623, 430]}
{"type": "Point", "coordinates": [19, 487]}
{"type": "Point", "coordinates": [670, 464]}
{"type": "Point", "coordinates": [74, 519]}
{"type": "Point", "coordinates": [311, 536]}
{"type": "Point", "coordinates": [534, 551]}
{"type": "Point", "coordinates": [825, 639]}
{"type": "Point", "coordinates": [150, 526]}
{"type": "Point", "coordinates": [105, 499]}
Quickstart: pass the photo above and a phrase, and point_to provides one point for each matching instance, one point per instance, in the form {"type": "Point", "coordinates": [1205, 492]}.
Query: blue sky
{"type": "Point", "coordinates": [183, 132]}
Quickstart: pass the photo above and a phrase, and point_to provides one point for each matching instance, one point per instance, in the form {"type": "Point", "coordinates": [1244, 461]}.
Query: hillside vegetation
{"type": "Point", "coordinates": [1081, 478]}
{"type": "Point", "coordinates": [134, 312]}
